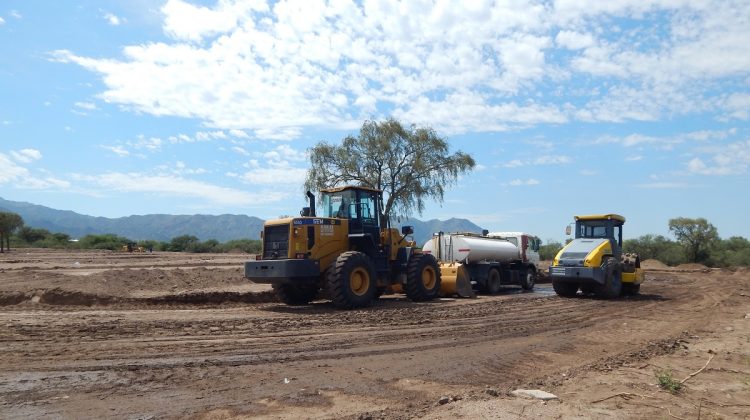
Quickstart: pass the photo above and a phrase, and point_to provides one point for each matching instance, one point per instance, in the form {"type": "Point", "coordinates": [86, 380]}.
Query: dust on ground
{"type": "Point", "coordinates": [103, 334]}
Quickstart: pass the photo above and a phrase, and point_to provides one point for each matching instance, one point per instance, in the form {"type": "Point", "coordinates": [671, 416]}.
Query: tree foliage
{"type": "Point", "coordinates": [410, 164]}
{"type": "Point", "coordinates": [9, 222]}
{"type": "Point", "coordinates": [547, 252]}
{"type": "Point", "coordinates": [697, 235]}
{"type": "Point", "coordinates": [656, 247]}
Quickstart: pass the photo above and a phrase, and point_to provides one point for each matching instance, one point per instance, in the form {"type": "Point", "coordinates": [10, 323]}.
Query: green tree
{"type": "Point", "coordinates": [410, 164]}
{"type": "Point", "coordinates": [547, 252]}
{"type": "Point", "coordinates": [656, 247]}
{"type": "Point", "coordinates": [106, 241]}
{"type": "Point", "coordinates": [183, 243]}
{"type": "Point", "coordinates": [732, 252]}
{"type": "Point", "coordinates": [30, 235]}
{"type": "Point", "coordinates": [696, 235]}
{"type": "Point", "coordinates": [9, 222]}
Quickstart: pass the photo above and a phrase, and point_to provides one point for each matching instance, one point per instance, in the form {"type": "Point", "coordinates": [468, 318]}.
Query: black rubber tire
{"type": "Point", "coordinates": [295, 294]}
{"type": "Point", "coordinates": [493, 282]}
{"type": "Point", "coordinates": [565, 288]}
{"type": "Point", "coordinates": [351, 281]}
{"type": "Point", "coordinates": [422, 278]}
{"type": "Point", "coordinates": [379, 292]}
{"type": "Point", "coordinates": [630, 289]}
{"type": "Point", "coordinates": [587, 289]}
{"type": "Point", "coordinates": [529, 280]}
{"type": "Point", "coordinates": [612, 286]}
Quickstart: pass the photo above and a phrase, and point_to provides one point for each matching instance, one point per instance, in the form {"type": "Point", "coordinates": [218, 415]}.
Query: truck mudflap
{"type": "Point", "coordinates": [282, 271]}
{"type": "Point", "coordinates": [577, 274]}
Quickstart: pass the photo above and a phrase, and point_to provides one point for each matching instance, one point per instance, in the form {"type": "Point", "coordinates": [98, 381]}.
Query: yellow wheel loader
{"type": "Point", "coordinates": [594, 263]}
{"type": "Point", "coordinates": [344, 252]}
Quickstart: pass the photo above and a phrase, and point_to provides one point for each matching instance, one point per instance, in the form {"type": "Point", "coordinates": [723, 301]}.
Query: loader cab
{"type": "Point", "coordinates": [360, 205]}
{"type": "Point", "coordinates": [606, 226]}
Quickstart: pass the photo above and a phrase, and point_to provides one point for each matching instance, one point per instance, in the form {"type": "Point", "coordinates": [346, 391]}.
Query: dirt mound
{"type": "Point", "coordinates": [61, 297]}
{"type": "Point", "coordinates": [652, 264]}
{"type": "Point", "coordinates": [691, 266]}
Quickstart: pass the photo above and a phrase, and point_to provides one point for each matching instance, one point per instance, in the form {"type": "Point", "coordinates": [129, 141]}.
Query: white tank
{"type": "Point", "coordinates": [469, 249]}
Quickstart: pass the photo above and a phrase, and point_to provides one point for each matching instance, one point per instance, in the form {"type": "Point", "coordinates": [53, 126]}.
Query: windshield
{"type": "Point", "coordinates": [338, 204]}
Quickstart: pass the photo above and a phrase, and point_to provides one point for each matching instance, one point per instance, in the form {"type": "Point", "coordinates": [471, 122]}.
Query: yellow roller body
{"type": "Point", "coordinates": [455, 280]}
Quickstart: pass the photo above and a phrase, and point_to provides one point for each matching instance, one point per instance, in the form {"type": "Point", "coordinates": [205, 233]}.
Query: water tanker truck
{"type": "Point", "coordinates": [470, 262]}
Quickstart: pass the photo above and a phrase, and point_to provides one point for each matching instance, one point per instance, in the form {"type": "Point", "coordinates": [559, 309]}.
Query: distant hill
{"type": "Point", "coordinates": [164, 227]}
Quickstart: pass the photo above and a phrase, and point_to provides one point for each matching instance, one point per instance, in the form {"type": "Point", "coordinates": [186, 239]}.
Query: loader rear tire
{"type": "Point", "coordinates": [295, 294]}
{"type": "Point", "coordinates": [612, 286]}
{"type": "Point", "coordinates": [564, 288]}
{"type": "Point", "coordinates": [351, 281]}
{"type": "Point", "coordinates": [493, 282]}
{"type": "Point", "coordinates": [422, 278]}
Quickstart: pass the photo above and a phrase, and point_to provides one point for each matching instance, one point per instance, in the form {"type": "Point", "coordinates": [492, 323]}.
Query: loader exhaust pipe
{"type": "Point", "coordinates": [311, 196]}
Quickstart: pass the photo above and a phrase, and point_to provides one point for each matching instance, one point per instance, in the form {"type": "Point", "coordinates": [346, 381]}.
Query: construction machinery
{"type": "Point", "coordinates": [132, 247]}
{"type": "Point", "coordinates": [594, 261]}
{"type": "Point", "coordinates": [347, 253]}
{"type": "Point", "coordinates": [470, 262]}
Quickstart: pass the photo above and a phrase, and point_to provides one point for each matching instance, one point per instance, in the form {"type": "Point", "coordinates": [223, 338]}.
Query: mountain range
{"type": "Point", "coordinates": [164, 227]}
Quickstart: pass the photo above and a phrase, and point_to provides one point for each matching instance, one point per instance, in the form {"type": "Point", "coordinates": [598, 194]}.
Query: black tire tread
{"type": "Point", "coordinates": [337, 281]}
{"type": "Point", "coordinates": [415, 289]}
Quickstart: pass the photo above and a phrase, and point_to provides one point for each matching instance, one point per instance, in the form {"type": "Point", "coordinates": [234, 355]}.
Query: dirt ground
{"type": "Point", "coordinates": [167, 335]}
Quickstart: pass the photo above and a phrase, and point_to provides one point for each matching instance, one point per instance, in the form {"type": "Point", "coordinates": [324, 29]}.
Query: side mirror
{"type": "Point", "coordinates": [568, 230]}
{"type": "Point", "coordinates": [407, 230]}
{"type": "Point", "coordinates": [305, 212]}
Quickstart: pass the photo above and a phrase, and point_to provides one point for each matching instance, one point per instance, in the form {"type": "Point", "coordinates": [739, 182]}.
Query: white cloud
{"type": "Point", "coordinates": [273, 71]}
{"type": "Point", "coordinates": [574, 40]}
{"type": "Point", "coordinates": [539, 160]}
{"type": "Point", "coordinates": [113, 19]}
{"type": "Point", "coordinates": [634, 158]}
{"type": "Point", "coordinates": [118, 150]}
{"type": "Point", "coordinates": [731, 159]}
{"type": "Point", "coordinates": [2, 21]}
{"type": "Point", "coordinates": [11, 170]}
{"type": "Point", "coordinates": [179, 186]}
{"type": "Point", "coordinates": [16, 14]}
{"type": "Point", "coordinates": [238, 134]}
{"type": "Point", "coordinates": [241, 151]}
{"type": "Point", "coordinates": [274, 176]}
{"type": "Point", "coordinates": [587, 172]}
{"type": "Point", "coordinates": [663, 185]}
{"type": "Point", "coordinates": [89, 106]}
{"type": "Point", "coordinates": [523, 182]}
{"type": "Point", "coordinates": [26, 155]}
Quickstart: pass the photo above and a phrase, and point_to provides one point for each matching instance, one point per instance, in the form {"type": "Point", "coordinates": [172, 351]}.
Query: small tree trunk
{"type": "Point", "coordinates": [1, 242]}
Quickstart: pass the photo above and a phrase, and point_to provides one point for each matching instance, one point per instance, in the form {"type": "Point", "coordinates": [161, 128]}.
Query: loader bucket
{"type": "Point", "coordinates": [455, 281]}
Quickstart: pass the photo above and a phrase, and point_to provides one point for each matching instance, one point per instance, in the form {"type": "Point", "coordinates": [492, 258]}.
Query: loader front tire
{"type": "Point", "coordinates": [295, 294]}
{"type": "Point", "coordinates": [564, 288]}
{"type": "Point", "coordinates": [422, 278]}
{"type": "Point", "coordinates": [351, 281]}
{"type": "Point", "coordinates": [630, 289]}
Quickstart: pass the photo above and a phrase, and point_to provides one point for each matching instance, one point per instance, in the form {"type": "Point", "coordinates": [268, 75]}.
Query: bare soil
{"type": "Point", "coordinates": [117, 335]}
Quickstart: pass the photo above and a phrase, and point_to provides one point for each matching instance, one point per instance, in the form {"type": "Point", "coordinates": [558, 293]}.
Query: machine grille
{"type": "Point", "coordinates": [276, 242]}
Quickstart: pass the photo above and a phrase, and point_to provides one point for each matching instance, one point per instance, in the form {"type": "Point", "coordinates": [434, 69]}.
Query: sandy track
{"type": "Point", "coordinates": [395, 359]}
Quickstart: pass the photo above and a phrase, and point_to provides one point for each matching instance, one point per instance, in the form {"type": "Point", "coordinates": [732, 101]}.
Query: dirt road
{"type": "Point", "coordinates": [178, 335]}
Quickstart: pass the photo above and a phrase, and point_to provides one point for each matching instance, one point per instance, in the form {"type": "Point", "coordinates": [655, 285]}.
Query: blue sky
{"type": "Point", "coordinates": [113, 108]}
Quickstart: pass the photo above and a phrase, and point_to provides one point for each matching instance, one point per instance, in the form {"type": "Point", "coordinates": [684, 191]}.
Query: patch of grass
{"type": "Point", "coordinates": [667, 382]}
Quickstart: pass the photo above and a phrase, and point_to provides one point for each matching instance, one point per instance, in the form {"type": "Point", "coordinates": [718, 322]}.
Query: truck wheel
{"type": "Point", "coordinates": [612, 280]}
{"type": "Point", "coordinates": [422, 278]}
{"type": "Point", "coordinates": [351, 281]}
{"type": "Point", "coordinates": [630, 289]}
{"type": "Point", "coordinates": [587, 289]}
{"type": "Point", "coordinates": [493, 282]}
{"type": "Point", "coordinates": [528, 282]}
{"type": "Point", "coordinates": [295, 294]}
{"type": "Point", "coordinates": [564, 288]}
